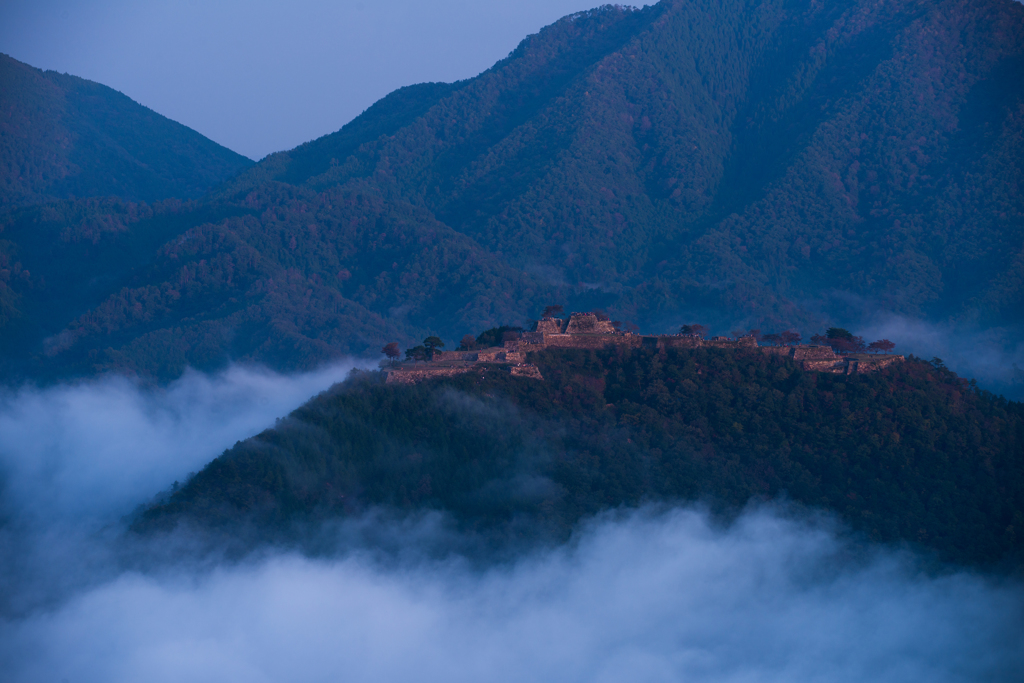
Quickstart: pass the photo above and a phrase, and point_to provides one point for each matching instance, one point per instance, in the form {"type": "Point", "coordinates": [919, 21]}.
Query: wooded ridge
{"type": "Point", "coordinates": [773, 163]}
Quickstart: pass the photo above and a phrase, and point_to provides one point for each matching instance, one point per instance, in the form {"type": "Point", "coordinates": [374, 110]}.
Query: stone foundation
{"type": "Point", "coordinates": [588, 323]}
{"type": "Point", "coordinates": [585, 331]}
{"type": "Point", "coordinates": [824, 359]}
{"type": "Point", "coordinates": [419, 372]}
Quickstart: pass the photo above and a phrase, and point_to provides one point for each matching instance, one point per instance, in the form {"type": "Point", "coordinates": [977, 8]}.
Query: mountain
{"type": "Point", "coordinates": [63, 136]}
{"type": "Point", "coordinates": [772, 163]}
{"type": "Point", "coordinates": [911, 454]}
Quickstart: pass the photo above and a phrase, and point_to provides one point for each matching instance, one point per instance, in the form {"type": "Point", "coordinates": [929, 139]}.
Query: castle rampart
{"type": "Point", "coordinates": [588, 331]}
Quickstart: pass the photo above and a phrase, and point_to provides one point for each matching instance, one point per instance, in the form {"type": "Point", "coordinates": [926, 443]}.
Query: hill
{"type": "Point", "coordinates": [775, 164]}
{"type": "Point", "coordinates": [62, 136]}
{"type": "Point", "coordinates": [909, 454]}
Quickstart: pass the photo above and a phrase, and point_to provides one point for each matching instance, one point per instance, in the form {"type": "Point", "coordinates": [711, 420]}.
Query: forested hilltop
{"type": "Point", "coordinates": [767, 163]}
{"type": "Point", "coordinates": [910, 454]}
{"type": "Point", "coordinates": [62, 136]}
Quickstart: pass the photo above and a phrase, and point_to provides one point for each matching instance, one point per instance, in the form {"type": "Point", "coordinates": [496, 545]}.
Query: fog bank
{"type": "Point", "coordinates": [645, 597]}
{"type": "Point", "coordinates": [100, 447]}
{"type": "Point", "coordinates": [648, 595]}
{"type": "Point", "coordinates": [76, 458]}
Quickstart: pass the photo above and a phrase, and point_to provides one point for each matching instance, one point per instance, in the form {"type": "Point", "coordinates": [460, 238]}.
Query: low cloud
{"type": "Point", "coordinates": [649, 595]}
{"type": "Point", "coordinates": [76, 458]}
{"type": "Point", "coordinates": [994, 357]}
{"type": "Point", "coordinates": [98, 448]}
{"type": "Point", "coordinates": [643, 597]}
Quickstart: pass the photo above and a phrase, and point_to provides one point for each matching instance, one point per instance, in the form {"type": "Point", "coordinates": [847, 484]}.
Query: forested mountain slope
{"type": "Point", "coordinates": [910, 454]}
{"type": "Point", "coordinates": [774, 163]}
{"type": "Point", "coordinates": [63, 136]}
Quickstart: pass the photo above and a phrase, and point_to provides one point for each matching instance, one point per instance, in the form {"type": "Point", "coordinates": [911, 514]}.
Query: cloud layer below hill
{"type": "Point", "coordinates": [649, 595]}
{"type": "Point", "coordinates": [646, 597]}
{"type": "Point", "coordinates": [96, 447]}
{"type": "Point", "coordinates": [994, 357]}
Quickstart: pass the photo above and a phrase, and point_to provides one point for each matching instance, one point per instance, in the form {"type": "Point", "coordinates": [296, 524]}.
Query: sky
{"type": "Point", "coordinates": [258, 76]}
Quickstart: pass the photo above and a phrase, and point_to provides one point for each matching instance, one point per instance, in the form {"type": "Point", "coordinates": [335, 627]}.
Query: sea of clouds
{"type": "Point", "coordinates": [657, 594]}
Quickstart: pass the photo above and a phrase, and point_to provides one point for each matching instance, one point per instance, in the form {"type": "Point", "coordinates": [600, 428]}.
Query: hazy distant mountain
{"type": "Point", "coordinates": [64, 136]}
{"type": "Point", "coordinates": [781, 163]}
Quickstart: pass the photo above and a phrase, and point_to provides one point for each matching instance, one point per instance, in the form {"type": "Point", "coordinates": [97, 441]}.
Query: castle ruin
{"type": "Point", "coordinates": [589, 331]}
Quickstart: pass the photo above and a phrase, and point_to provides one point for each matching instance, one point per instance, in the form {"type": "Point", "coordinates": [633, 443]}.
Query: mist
{"type": "Point", "coordinates": [656, 594]}
{"type": "Point", "coordinates": [75, 459]}
{"type": "Point", "coordinates": [994, 356]}
{"type": "Point", "coordinates": [100, 447]}
{"type": "Point", "coordinates": [646, 596]}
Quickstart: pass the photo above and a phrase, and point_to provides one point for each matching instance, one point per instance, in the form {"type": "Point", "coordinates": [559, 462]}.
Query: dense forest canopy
{"type": "Point", "coordinates": [63, 136]}
{"type": "Point", "coordinates": [780, 164]}
{"type": "Point", "coordinates": [911, 454]}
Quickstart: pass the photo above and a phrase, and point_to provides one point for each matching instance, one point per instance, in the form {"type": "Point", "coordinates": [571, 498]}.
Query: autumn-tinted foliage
{"type": "Point", "coordinates": [912, 453]}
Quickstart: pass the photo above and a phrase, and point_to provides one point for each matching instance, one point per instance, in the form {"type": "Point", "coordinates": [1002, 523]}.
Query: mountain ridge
{"type": "Point", "coordinates": [776, 164]}
{"type": "Point", "coordinates": [66, 136]}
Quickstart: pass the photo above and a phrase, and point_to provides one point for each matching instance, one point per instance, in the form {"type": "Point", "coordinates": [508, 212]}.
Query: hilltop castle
{"type": "Point", "coordinates": [589, 331]}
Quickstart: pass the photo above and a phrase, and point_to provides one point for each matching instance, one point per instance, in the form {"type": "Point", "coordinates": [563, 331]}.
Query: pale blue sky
{"type": "Point", "coordinates": [260, 76]}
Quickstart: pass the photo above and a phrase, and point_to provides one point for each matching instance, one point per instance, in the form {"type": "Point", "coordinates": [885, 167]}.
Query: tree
{"type": "Point", "coordinates": [790, 338]}
{"type": "Point", "coordinates": [601, 315]}
{"type": "Point", "coordinates": [772, 339]}
{"type": "Point", "coordinates": [468, 343]}
{"type": "Point", "coordinates": [698, 330]}
{"type": "Point", "coordinates": [838, 333]}
{"type": "Point", "coordinates": [391, 351]}
{"type": "Point", "coordinates": [841, 341]}
{"type": "Point", "coordinates": [432, 344]}
{"type": "Point", "coordinates": [881, 346]}
{"type": "Point", "coordinates": [552, 311]}
{"type": "Point", "coordinates": [416, 353]}
{"type": "Point", "coordinates": [495, 336]}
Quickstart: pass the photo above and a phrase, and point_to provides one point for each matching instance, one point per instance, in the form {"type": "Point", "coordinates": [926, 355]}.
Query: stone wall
{"type": "Point", "coordinates": [814, 353]}
{"type": "Point", "coordinates": [418, 373]}
{"type": "Point", "coordinates": [874, 364]}
{"type": "Point", "coordinates": [451, 356]}
{"type": "Point", "coordinates": [585, 331]}
{"type": "Point", "coordinates": [824, 359]}
{"type": "Point", "coordinates": [727, 343]}
{"type": "Point", "coordinates": [492, 354]}
{"type": "Point", "coordinates": [590, 341]}
{"type": "Point", "coordinates": [587, 323]}
{"type": "Point", "coordinates": [551, 326]}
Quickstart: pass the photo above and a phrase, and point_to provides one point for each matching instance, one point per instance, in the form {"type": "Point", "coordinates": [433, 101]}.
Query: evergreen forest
{"type": "Point", "coordinates": [911, 455]}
